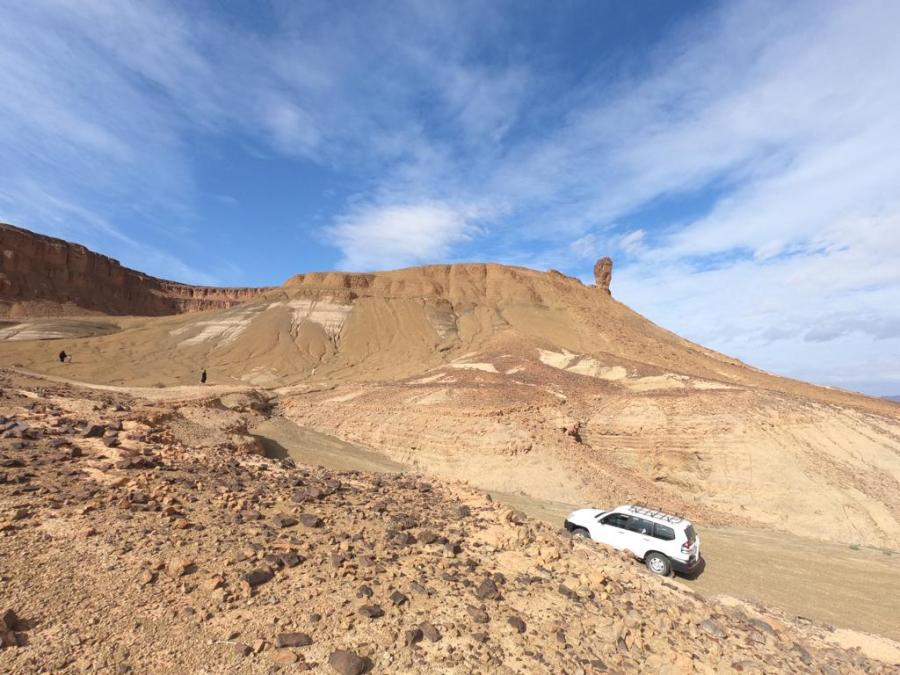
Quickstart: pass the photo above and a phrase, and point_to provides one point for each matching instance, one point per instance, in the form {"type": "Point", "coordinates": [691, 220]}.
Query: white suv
{"type": "Point", "coordinates": [664, 542]}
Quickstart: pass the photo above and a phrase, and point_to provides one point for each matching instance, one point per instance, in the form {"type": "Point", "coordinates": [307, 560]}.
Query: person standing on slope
{"type": "Point", "coordinates": [203, 376]}
{"type": "Point", "coordinates": [62, 356]}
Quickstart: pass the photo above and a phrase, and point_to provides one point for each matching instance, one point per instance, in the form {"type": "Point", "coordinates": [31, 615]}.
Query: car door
{"type": "Point", "coordinates": [641, 536]}
{"type": "Point", "coordinates": [613, 530]}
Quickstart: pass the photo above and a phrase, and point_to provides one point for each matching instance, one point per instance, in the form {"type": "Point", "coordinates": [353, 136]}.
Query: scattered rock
{"type": "Point", "coordinates": [258, 577]}
{"type": "Point", "coordinates": [94, 431]}
{"type": "Point", "coordinates": [412, 637]}
{"type": "Point", "coordinates": [371, 611]}
{"type": "Point", "coordinates": [427, 537]}
{"type": "Point", "coordinates": [283, 520]}
{"type": "Point", "coordinates": [284, 657]}
{"type": "Point", "coordinates": [8, 620]}
{"type": "Point", "coordinates": [178, 567]}
{"type": "Point", "coordinates": [487, 590]}
{"type": "Point", "coordinates": [290, 559]}
{"type": "Point", "coordinates": [517, 623]}
{"type": "Point", "coordinates": [292, 640]}
{"type": "Point", "coordinates": [346, 662]}
{"type": "Point", "coordinates": [311, 520]}
{"type": "Point", "coordinates": [430, 632]}
{"type": "Point", "coordinates": [478, 615]}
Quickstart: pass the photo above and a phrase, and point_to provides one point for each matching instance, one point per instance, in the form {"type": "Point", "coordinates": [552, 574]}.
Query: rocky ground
{"type": "Point", "coordinates": [131, 540]}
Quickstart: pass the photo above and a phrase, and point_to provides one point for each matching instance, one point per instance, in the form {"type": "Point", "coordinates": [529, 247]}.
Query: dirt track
{"type": "Point", "coordinates": [854, 589]}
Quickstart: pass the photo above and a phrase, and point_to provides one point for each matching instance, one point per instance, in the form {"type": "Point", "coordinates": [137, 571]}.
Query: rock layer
{"type": "Point", "coordinates": [44, 276]}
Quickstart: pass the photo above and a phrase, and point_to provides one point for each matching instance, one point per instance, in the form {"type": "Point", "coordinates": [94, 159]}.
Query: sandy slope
{"type": "Point", "coordinates": [852, 588]}
{"type": "Point", "coordinates": [153, 545]}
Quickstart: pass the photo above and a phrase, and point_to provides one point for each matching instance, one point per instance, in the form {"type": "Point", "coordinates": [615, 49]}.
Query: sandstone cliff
{"type": "Point", "coordinates": [43, 276]}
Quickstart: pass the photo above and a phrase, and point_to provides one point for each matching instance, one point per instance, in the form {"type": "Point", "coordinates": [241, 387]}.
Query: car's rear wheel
{"type": "Point", "coordinates": [658, 564]}
{"type": "Point", "coordinates": [581, 533]}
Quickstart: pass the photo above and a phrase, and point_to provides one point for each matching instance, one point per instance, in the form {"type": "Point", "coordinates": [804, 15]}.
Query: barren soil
{"type": "Point", "coordinates": [139, 536]}
{"type": "Point", "coordinates": [853, 589]}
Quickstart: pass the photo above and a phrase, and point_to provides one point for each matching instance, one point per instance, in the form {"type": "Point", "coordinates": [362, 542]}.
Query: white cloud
{"type": "Point", "coordinates": [633, 242]}
{"type": "Point", "coordinates": [384, 237]}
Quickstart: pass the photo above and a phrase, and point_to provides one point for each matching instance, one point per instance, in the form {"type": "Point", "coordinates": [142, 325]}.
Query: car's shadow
{"type": "Point", "coordinates": [696, 572]}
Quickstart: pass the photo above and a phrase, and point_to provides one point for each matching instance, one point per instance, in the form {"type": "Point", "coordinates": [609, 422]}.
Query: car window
{"type": "Point", "coordinates": [663, 532]}
{"type": "Point", "coordinates": [640, 526]}
{"type": "Point", "coordinates": [617, 520]}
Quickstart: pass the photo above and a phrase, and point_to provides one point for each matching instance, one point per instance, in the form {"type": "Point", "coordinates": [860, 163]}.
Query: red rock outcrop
{"type": "Point", "coordinates": [41, 275]}
{"type": "Point", "coordinates": [603, 273]}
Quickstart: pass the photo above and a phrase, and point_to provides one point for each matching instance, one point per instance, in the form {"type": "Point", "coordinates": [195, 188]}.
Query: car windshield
{"type": "Point", "coordinates": [691, 535]}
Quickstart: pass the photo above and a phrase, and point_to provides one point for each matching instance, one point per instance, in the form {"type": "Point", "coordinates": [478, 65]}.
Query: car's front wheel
{"type": "Point", "coordinates": [581, 533]}
{"type": "Point", "coordinates": [658, 564]}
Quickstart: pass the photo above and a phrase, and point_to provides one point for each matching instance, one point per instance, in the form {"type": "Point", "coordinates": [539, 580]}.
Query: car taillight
{"type": "Point", "coordinates": [686, 546]}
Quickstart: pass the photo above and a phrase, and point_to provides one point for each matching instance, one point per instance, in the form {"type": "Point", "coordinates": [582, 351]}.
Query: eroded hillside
{"type": "Point", "coordinates": [149, 537]}
{"type": "Point", "coordinates": [518, 380]}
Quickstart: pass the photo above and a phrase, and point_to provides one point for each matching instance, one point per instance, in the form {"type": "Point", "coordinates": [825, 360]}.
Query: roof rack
{"type": "Point", "coordinates": [653, 512]}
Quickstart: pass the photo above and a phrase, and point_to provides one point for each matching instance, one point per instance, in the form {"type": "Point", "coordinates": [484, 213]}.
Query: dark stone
{"type": "Point", "coordinates": [273, 561]}
{"type": "Point", "coordinates": [111, 442]}
{"type": "Point", "coordinates": [94, 431]}
{"type": "Point", "coordinates": [242, 650]}
{"type": "Point", "coordinates": [518, 517]}
{"type": "Point", "coordinates": [453, 548]}
{"type": "Point", "coordinates": [413, 637]}
{"type": "Point", "coordinates": [258, 577]}
{"type": "Point", "coordinates": [516, 623]}
{"type": "Point", "coordinates": [371, 611]}
{"type": "Point", "coordinates": [398, 598]}
{"type": "Point", "coordinates": [310, 520]}
{"type": "Point", "coordinates": [364, 592]}
{"type": "Point", "coordinates": [283, 520]}
{"type": "Point", "coordinates": [403, 539]}
{"type": "Point", "coordinates": [292, 640]}
{"type": "Point", "coordinates": [478, 615]}
{"type": "Point", "coordinates": [346, 662]}
{"type": "Point", "coordinates": [430, 632]}
{"type": "Point", "coordinates": [427, 537]}
{"type": "Point", "coordinates": [487, 590]}
{"type": "Point", "coordinates": [290, 559]}
{"type": "Point", "coordinates": [308, 493]}
{"type": "Point", "coordinates": [403, 522]}
{"type": "Point", "coordinates": [566, 591]}
{"type": "Point", "coordinates": [8, 620]}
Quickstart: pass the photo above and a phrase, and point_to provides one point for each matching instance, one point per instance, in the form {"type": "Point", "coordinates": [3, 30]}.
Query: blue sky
{"type": "Point", "coordinates": [740, 161]}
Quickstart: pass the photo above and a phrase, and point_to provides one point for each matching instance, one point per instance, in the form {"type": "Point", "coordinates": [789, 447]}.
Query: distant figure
{"type": "Point", "coordinates": [203, 376]}
{"type": "Point", "coordinates": [62, 356]}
